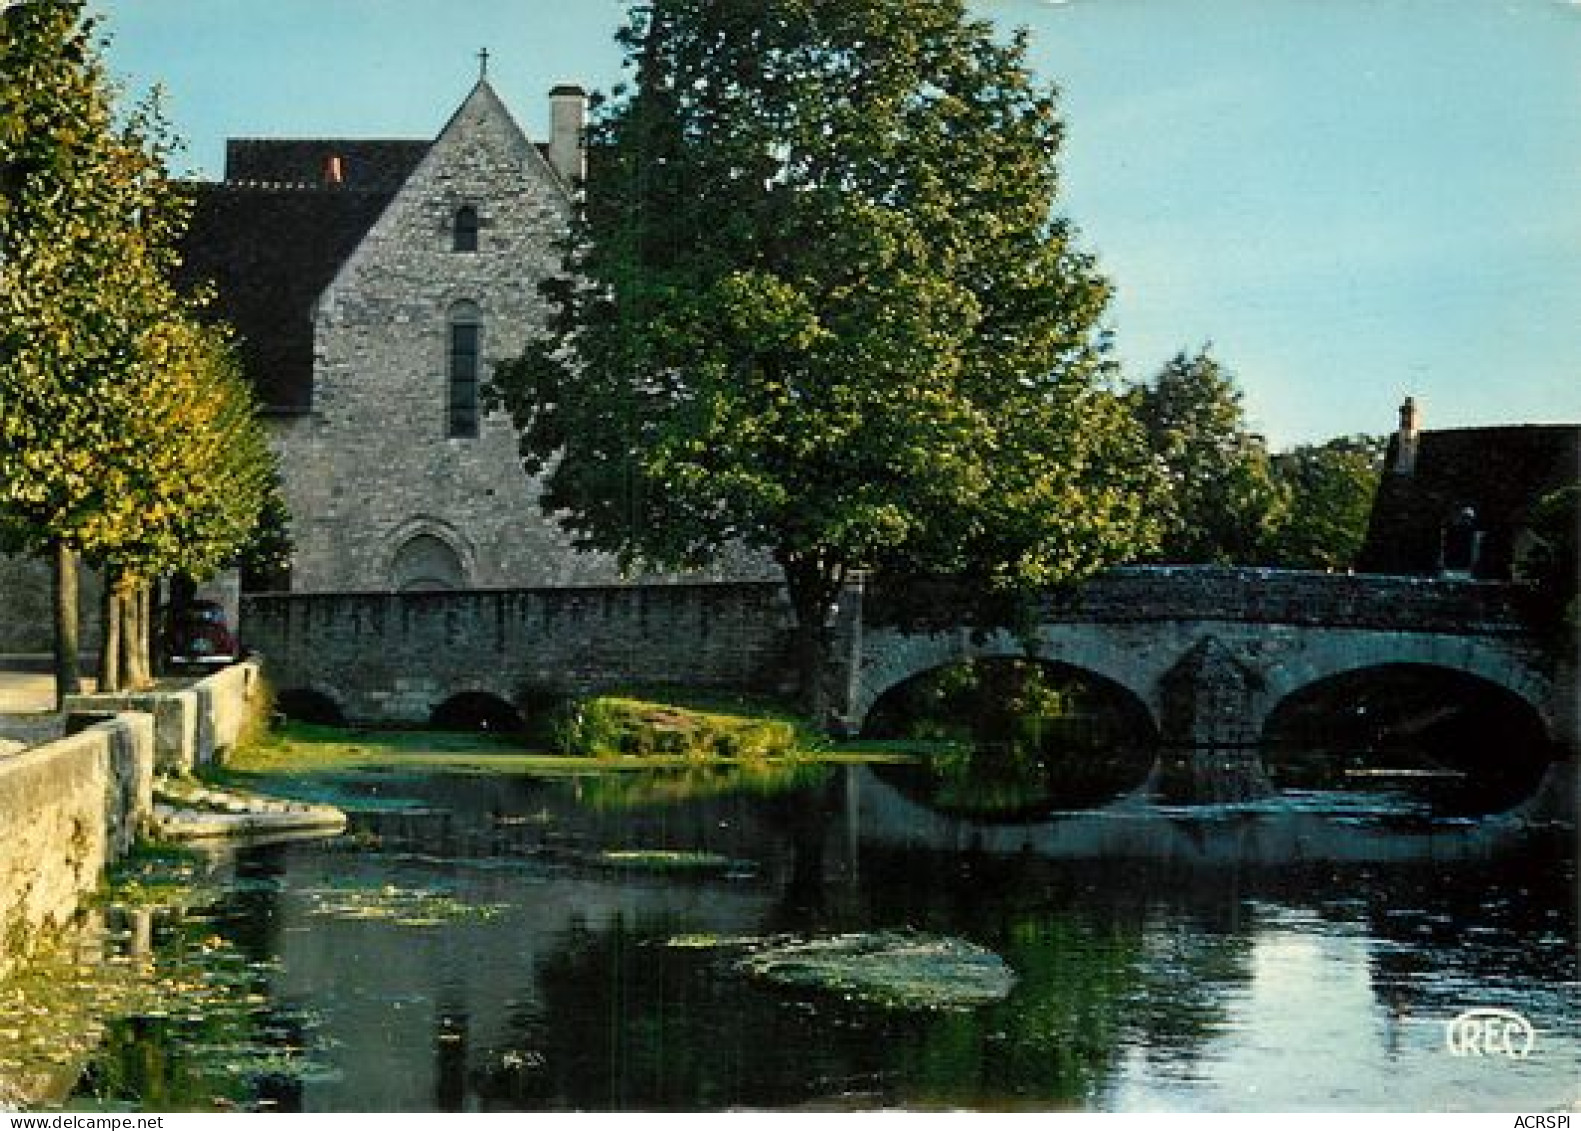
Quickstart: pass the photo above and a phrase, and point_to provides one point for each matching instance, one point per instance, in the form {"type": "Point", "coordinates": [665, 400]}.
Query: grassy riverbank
{"type": "Point", "coordinates": [602, 733]}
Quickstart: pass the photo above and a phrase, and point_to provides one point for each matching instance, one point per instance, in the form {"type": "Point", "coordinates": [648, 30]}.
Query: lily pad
{"type": "Point", "coordinates": [893, 969]}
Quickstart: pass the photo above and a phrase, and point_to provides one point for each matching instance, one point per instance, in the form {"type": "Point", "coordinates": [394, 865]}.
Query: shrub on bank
{"type": "Point", "coordinates": [616, 726]}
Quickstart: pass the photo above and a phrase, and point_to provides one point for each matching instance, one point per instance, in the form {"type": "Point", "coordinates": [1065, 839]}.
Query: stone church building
{"type": "Point", "coordinates": [374, 286]}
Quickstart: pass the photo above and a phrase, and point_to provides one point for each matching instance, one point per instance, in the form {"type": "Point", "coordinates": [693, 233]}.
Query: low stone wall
{"type": "Point", "coordinates": [67, 809]}
{"type": "Point", "coordinates": [388, 657]}
{"type": "Point", "coordinates": [193, 726]}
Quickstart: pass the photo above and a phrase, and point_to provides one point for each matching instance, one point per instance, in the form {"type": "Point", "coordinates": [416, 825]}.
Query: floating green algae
{"type": "Point", "coordinates": [667, 860]}
{"type": "Point", "coordinates": [891, 969]}
{"type": "Point", "coordinates": [144, 964]}
{"type": "Point", "coordinates": [402, 907]}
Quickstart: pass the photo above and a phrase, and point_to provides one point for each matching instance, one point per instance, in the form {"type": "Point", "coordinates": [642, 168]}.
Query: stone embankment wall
{"type": "Point", "coordinates": [193, 726]}
{"type": "Point", "coordinates": [67, 809]}
{"type": "Point", "coordinates": [70, 807]}
{"type": "Point", "coordinates": [385, 657]}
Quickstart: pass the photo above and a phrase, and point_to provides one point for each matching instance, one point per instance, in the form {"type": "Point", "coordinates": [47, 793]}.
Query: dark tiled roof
{"type": "Point", "coordinates": [1498, 472]}
{"type": "Point", "coordinates": [269, 252]}
{"type": "Point", "coordinates": [376, 166]}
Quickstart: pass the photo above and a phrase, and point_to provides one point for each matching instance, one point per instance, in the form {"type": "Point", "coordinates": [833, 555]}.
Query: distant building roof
{"type": "Point", "coordinates": [1498, 474]}
{"type": "Point", "coordinates": [272, 237]}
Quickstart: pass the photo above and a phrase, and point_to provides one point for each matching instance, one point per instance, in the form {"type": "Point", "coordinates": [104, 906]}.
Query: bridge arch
{"type": "Point", "coordinates": [894, 658]}
{"type": "Point", "coordinates": [311, 703]}
{"type": "Point", "coordinates": [1467, 743]}
{"type": "Point", "coordinates": [479, 710]}
{"type": "Point", "coordinates": [1329, 656]}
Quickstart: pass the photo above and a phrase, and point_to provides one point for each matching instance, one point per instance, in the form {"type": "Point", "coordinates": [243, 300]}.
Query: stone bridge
{"type": "Point", "coordinates": [1207, 653]}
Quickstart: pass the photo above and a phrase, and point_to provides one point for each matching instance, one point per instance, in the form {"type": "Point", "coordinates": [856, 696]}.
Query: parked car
{"type": "Point", "coordinates": [197, 636]}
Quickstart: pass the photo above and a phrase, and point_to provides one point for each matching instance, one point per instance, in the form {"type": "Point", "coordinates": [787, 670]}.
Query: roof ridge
{"type": "Point", "coordinates": [321, 138]}
{"type": "Point", "coordinates": [297, 186]}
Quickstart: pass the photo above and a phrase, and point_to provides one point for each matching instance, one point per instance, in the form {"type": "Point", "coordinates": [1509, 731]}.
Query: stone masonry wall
{"type": "Point", "coordinates": [26, 607]}
{"type": "Point", "coordinates": [1244, 594]}
{"type": "Point", "coordinates": [373, 466]}
{"type": "Point", "coordinates": [193, 726]}
{"type": "Point", "coordinates": [395, 657]}
{"type": "Point", "coordinates": [66, 810]}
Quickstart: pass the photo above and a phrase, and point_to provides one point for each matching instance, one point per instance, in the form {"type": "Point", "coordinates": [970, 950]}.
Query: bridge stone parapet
{"type": "Point", "coordinates": [1241, 594]}
{"type": "Point", "coordinates": [393, 658]}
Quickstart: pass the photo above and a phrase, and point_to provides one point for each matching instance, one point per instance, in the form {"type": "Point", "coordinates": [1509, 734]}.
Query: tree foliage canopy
{"type": "Point", "coordinates": [819, 305]}
{"type": "Point", "coordinates": [1228, 499]}
{"type": "Point", "coordinates": [1329, 490]}
{"type": "Point", "coordinates": [1221, 502]}
{"type": "Point", "coordinates": [126, 432]}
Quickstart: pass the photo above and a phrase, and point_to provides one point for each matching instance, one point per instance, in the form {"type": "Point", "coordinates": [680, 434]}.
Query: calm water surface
{"type": "Point", "coordinates": [471, 947]}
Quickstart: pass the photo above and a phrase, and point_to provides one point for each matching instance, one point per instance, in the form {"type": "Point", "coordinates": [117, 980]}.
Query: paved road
{"type": "Point", "coordinates": [27, 699]}
{"type": "Point", "coordinates": [26, 692]}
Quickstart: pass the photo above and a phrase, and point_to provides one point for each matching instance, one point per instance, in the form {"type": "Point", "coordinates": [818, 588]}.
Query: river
{"type": "Point", "coordinates": [520, 942]}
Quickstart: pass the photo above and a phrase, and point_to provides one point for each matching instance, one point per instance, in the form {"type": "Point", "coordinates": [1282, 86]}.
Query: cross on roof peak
{"type": "Point", "coordinates": [483, 63]}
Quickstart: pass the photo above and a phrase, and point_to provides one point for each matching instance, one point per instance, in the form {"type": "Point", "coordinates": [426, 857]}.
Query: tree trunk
{"type": "Point", "coordinates": [110, 629]}
{"type": "Point", "coordinates": [68, 677]}
{"type": "Point", "coordinates": [813, 586]}
{"type": "Point", "coordinates": [145, 633]}
{"type": "Point", "coordinates": [134, 638]}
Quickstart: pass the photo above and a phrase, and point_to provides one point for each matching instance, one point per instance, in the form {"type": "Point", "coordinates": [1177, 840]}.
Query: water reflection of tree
{"type": "Point", "coordinates": [1009, 738]}
{"type": "Point", "coordinates": [628, 1023]}
{"type": "Point", "coordinates": [188, 997]}
{"type": "Point", "coordinates": [637, 788]}
{"type": "Point", "coordinates": [1111, 955]}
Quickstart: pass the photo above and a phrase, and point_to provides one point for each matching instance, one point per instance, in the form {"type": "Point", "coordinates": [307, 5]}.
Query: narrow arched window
{"type": "Point", "coordinates": [465, 229]}
{"type": "Point", "coordinates": [466, 339]}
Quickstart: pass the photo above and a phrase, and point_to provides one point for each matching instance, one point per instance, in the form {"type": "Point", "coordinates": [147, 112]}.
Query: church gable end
{"type": "Point", "coordinates": [441, 289]}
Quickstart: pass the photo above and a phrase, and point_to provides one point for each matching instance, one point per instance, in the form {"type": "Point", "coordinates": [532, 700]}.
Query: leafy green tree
{"type": "Point", "coordinates": [1222, 502]}
{"type": "Point", "coordinates": [193, 473]}
{"type": "Point", "coordinates": [82, 221]}
{"type": "Point", "coordinates": [1551, 563]}
{"type": "Point", "coordinates": [819, 305]}
{"type": "Point", "coordinates": [121, 436]}
{"type": "Point", "coordinates": [1329, 491]}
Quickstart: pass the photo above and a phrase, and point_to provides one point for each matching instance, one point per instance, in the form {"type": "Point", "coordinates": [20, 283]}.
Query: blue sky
{"type": "Point", "coordinates": [1352, 200]}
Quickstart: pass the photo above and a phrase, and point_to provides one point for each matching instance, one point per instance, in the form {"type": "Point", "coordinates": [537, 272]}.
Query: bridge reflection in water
{"type": "Point", "coordinates": [891, 805]}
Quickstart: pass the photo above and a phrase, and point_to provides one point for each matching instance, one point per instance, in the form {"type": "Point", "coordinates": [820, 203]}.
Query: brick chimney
{"type": "Point", "coordinates": [1406, 439]}
{"type": "Point", "coordinates": [567, 121]}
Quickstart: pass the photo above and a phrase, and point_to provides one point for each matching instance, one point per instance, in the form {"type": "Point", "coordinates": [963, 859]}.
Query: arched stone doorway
{"type": "Point", "coordinates": [426, 563]}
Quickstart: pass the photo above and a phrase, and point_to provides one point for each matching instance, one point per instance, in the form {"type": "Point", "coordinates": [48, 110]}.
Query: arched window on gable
{"type": "Point", "coordinates": [466, 340]}
{"type": "Point", "coordinates": [464, 231]}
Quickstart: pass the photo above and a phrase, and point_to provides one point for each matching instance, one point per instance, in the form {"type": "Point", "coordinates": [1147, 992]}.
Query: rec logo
{"type": "Point", "coordinates": [1491, 1032]}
